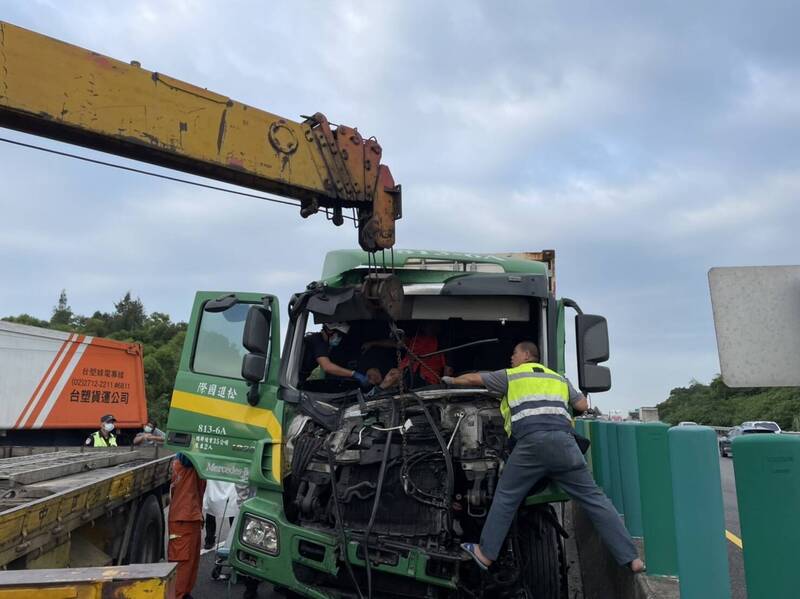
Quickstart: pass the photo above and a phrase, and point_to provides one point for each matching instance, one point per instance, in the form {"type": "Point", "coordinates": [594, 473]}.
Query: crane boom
{"type": "Point", "coordinates": [57, 90]}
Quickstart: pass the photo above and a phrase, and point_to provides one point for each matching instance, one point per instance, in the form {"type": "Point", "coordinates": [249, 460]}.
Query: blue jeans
{"type": "Point", "coordinates": [556, 455]}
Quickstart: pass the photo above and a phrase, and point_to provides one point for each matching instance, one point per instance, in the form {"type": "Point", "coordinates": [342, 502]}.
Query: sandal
{"type": "Point", "coordinates": [469, 548]}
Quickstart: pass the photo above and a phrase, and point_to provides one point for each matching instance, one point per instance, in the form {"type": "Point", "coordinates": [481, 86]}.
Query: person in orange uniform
{"type": "Point", "coordinates": [185, 523]}
{"type": "Point", "coordinates": [426, 371]}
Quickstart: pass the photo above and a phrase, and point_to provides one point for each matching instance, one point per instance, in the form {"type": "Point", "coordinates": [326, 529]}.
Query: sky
{"type": "Point", "coordinates": [644, 142]}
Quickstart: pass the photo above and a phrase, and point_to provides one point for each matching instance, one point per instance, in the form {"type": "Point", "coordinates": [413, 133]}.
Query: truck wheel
{"type": "Point", "coordinates": [147, 540]}
{"type": "Point", "coordinates": [541, 555]}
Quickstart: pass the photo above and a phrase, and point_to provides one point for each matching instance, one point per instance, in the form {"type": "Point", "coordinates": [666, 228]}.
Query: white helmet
{"type": "Point", "coordinates": [342, 327]}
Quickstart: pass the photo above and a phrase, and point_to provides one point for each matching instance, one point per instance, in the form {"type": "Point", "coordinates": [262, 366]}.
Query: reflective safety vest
{"type": "Point", "coordinates": [99, 441]}
{"type": "Point", "coordinates": [537, 398]}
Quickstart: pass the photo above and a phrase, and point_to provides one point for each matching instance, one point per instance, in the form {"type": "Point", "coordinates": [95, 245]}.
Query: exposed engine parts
{"type": "Point", "coordinates": [415, 506]}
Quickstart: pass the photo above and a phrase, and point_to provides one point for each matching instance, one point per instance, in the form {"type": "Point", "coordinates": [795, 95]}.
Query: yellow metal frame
{"type": "Point", "coordinates": [64, 92]}
{"type": "Point", "coordinates": [140, 581]}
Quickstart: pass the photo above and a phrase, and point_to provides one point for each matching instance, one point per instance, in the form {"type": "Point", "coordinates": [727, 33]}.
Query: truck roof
{"type": "Point", "coordinates": [444, 264]}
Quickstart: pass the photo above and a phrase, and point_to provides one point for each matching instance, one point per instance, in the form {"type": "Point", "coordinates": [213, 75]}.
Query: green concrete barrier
{"type": "Point", "coordinates": [629, 471]}
{"type": "Point", "coordinates": [655, 482]}
{"type": "Point", "coordinates": [615, 478]}
{"type": "Point", "coordinates": [767, 469]}
{"type": "Point", "coordinates": [699, 513]}
{"type": "Point", "coordinates": [598, 450]}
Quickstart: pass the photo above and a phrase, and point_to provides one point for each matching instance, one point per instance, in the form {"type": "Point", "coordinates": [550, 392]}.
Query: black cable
{"type": "Point", "coordinates": [152, 174]}
{"type": "Point", "coordinates": [448, 459]}
{"type": "Point", "coordinates": [375, 503]}
{"type": "Point", "coordinates": [338, 517]}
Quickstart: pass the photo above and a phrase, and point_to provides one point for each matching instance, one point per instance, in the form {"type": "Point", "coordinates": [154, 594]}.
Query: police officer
{"type": "Point", "coordinates": [104, 437]}
{"type": "Point", "coordinates": [534, 407]}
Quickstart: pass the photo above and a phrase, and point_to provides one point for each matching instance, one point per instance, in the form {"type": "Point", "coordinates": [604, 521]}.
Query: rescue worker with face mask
{"type": "Point", "coordinates": [318, 350]}
{"type": "Point", "coordinates": [104, 437]}
{"type": "Point", "coordinates": [151, 435]}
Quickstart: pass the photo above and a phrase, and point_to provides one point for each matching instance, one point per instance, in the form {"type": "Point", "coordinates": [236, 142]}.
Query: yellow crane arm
{"type": "Point", "coordinates": [56, 90]}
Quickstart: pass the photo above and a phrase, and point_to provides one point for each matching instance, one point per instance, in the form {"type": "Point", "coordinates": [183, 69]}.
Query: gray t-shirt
{"type": "Point", "coordinates": [497, 381]}
{"type": "Point", "coordinates": [156, 431]}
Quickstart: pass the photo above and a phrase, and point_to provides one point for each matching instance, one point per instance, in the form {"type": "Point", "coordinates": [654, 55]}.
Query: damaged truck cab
{"type": "Point", "coordinates": [361, 492]}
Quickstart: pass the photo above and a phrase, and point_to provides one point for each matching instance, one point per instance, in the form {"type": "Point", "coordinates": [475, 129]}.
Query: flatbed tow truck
{"type": "Point", "coordinates": [74, 507]}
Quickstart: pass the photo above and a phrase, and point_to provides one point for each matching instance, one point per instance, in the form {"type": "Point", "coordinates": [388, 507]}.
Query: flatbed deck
{"type": "Point", "coordinates": [46, 493]}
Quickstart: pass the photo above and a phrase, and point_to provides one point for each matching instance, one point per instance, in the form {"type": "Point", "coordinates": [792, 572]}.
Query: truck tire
{"type": "Point", "coordinates": [542, 555]}
{"type": "Point", "coordinates": [147, 540]}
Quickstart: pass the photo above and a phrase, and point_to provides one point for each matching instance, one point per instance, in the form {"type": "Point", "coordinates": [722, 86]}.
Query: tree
{"type": "Point", "coordinates": [129, 314]}
{"type": "Point", "coordinates": [62, 313]}
{"type": "Point", "coordinates": [717, 404]}
{"type": "Point", "coordinates": [29, 320]}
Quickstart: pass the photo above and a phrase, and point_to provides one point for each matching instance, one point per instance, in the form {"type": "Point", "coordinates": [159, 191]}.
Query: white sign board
{"type": "Point", "coordinates": [757, 318]}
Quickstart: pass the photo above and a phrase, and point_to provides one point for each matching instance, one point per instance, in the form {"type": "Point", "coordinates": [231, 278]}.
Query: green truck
{"type": "Point", "coordinates": [355, 495]}
{"type": "Point", "coordinates": [401, 477]}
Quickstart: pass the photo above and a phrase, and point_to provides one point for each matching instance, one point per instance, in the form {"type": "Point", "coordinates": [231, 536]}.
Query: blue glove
{"type": "Point", "coordinates": [361, 378]}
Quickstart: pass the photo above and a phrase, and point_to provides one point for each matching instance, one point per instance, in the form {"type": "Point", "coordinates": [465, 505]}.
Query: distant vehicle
{"type": "Point", "coordinates": [746, 428]}
{"type": "Point", "coordinates": [773, 426]}
{"type": "Point", "coordinates": [687, 423]}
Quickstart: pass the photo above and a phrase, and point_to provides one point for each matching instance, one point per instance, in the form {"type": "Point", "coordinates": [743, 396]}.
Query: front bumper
{"type": "Point", "coordinates": [309, 563]}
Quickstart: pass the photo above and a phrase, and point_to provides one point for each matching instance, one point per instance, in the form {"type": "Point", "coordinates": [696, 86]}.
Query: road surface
{"type": "Point", "coordinates": [735, 562]}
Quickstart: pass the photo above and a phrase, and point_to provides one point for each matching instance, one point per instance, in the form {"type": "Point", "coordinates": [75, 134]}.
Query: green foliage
{"type": "Point", "coordinates": [161, 339]}
{"type": "Point", "coordinates": [29, 320]}
{"type": "Point", "coordinates": [62, 313]}
{"type": "Point", "coordinates": [719, 405]}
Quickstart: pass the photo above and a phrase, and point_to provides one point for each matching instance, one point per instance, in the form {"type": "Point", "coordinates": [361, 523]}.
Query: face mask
{"type": "Point", "coordinates": [108, 426]}
{"type": "Point", "coordinates": [335, 340]}
{"type": "Point", "coordinates": [148, 429]}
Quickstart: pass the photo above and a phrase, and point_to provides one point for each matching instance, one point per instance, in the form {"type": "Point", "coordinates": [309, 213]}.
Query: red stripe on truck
{"type": "Point", "coordinates": [41, 381]}
{"type": "Point", "coordinates": [54, 381]}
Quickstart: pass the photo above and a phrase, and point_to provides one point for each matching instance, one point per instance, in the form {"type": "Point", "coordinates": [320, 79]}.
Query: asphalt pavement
{"type": "Point", "coordinates": [209, 588]}
{"type": "Point", "coordinates": [735, 561]}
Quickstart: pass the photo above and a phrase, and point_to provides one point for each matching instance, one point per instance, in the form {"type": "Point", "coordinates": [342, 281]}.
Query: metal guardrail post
{"type": "Point", "coordinates": [655, 482]}
{"type": "Point", "coordinates": [629, 472]}
{"type": "Point", "coordinates": [615, 476]}
{"type": "Point", "coordinates": [699, 513]}
{"type": "Point", "coordinates": [767, 469]}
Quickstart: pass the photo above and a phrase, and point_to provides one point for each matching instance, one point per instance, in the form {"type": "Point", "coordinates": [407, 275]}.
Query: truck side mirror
{"type": "Point", "coordinates": [591, 337]}
{"type": "Point", "coordinates": [255, 339]}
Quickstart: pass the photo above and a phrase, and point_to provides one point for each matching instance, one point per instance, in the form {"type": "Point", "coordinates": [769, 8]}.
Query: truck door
{"type": "Point", "coordinates": [230, 428]}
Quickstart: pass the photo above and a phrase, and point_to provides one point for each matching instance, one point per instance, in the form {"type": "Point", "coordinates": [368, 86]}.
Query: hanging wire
{"type": "Point", "coordinates": [294, 203]}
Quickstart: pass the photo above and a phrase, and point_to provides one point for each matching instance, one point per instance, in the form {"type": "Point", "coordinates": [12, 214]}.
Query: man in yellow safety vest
{"type": "Point", "coordinates": [535, 410]}
{"type": "Point", "coordinates": [104, 437]}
